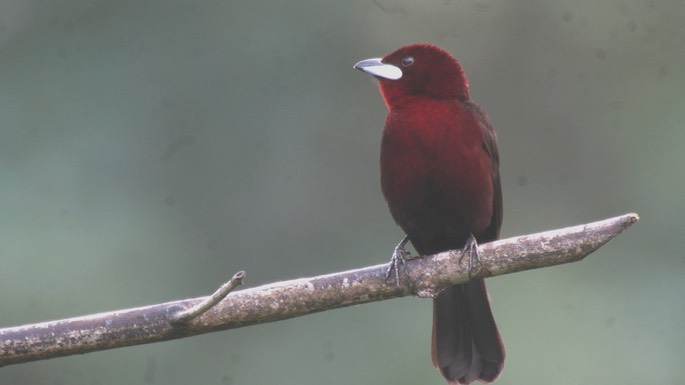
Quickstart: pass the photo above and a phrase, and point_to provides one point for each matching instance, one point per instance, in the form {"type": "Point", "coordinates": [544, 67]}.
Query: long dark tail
{"type": "Point", "coordinates": [466, 344]}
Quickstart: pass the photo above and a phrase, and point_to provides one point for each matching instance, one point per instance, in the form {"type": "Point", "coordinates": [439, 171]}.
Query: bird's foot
{"type": "Point", "coordinates": [471, 250]}
{"type": "Point", "coordinates": [399, 257]}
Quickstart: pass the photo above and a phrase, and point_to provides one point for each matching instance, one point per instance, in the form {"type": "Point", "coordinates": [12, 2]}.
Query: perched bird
{"type": "Point", "coordinates": [440, 178]}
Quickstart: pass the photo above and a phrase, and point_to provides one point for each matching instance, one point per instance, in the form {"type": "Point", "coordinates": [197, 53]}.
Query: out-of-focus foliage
{"type": "Point", "coordinates": [150, 149]}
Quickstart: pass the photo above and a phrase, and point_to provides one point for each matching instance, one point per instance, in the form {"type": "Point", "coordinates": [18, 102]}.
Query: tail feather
{"type": "Point", "coordinates": [466, 344]}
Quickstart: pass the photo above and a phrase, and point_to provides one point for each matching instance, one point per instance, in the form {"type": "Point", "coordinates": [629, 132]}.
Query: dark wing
{"type": "Point", "coordinates": [490, 147]}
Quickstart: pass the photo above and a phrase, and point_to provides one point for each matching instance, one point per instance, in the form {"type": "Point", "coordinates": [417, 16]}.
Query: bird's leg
{"type": "Point", "coordinates": [399, 255]}
{"type": "Point", "coordinates": [470, 248]}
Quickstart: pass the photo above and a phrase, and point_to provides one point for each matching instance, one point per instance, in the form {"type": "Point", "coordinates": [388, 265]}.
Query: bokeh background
{"type": "Point", "coordinates": [150, 149]}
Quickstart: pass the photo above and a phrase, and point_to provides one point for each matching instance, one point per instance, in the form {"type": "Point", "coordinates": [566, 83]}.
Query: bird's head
{"type": "Point", "coordinates": [421, 70]}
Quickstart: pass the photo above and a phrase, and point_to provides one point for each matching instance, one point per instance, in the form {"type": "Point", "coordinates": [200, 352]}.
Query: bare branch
{"type": "Point", "coordinates": [299, 297]}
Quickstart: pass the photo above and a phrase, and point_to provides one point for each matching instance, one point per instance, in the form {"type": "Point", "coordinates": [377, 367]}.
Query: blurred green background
{"type": "Point", "coordinates": [150, 149]}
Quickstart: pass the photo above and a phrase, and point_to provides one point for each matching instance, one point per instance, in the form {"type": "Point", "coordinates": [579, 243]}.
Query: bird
{"type": "Point", "coordinates": [440, 177]}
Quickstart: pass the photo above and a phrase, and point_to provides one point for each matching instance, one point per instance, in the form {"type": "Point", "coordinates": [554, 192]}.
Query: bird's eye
{"type": "Point", "coordinates": [407, 61]}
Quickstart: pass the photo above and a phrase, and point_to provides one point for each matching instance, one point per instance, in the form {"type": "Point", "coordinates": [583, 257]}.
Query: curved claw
{"type": "Point", "coordinates": [399, 257]}
{"type": "Point", "coordinates": [470, 248]}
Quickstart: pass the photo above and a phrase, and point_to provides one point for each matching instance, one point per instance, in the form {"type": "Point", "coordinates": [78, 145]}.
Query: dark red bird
{"type": "Point", "coordinates": [440, 177]}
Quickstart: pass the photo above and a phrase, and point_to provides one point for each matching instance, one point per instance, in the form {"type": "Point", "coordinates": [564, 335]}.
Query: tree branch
{"type": "Point", "coordinates": [289, 299]}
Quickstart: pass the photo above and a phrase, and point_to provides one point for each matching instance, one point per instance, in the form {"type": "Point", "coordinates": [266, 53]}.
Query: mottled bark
{"type": "Point", "coordinates": [299, 297]}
